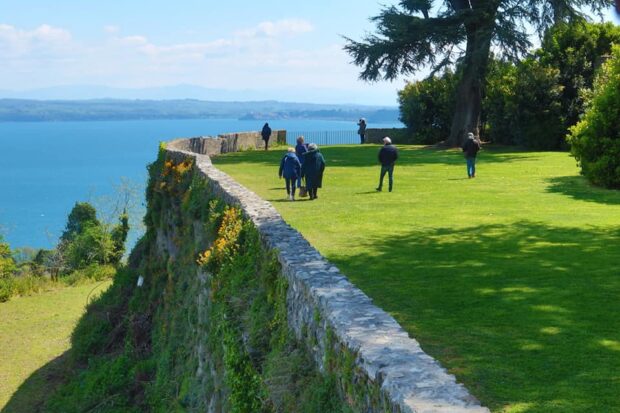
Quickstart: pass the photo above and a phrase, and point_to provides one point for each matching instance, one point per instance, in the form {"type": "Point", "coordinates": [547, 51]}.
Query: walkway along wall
{"type": "Point", "coordinates": [330, 314]}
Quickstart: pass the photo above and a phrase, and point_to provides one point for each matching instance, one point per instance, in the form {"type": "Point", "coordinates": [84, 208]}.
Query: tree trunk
{"type": "Point", "coordinates": [469, 90]}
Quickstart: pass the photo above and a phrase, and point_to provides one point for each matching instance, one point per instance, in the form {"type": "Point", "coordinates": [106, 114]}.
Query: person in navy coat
{"type": "Point", "coordinates": [312, 170]}
{"type": "Point", "coordinates": [290, 169]}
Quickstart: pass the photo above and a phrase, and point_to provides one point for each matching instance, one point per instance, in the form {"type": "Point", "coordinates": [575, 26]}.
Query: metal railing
{"type": "Point", "coordinates": [332, 137]}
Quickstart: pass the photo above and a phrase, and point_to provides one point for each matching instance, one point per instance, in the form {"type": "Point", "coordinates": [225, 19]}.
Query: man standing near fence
{"type": "Point", "coordinates": [362, 129]}
{"type": "Point", "coordinates": [387, 157]}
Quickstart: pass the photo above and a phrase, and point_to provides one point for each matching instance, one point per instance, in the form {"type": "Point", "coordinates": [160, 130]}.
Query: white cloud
{"type": "Point", "coordinates": [45, 39]}
{"type": "Point", "coordinates": [261, 57]}
{"type": "Point", "coordinates": [277, 28]}
{"type": "Point", "coordinates": [111, 29]}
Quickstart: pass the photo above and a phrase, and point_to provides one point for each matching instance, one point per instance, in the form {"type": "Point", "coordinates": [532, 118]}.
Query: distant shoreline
{"type": "Point", "coordinates": [26, 110]}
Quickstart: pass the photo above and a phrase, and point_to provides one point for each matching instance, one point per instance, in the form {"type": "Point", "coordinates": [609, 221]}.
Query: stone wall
{"type": "Point", "coordinates": [398, 135]}
{"type": "Point", "coordinates": [386, 368]}
{"type": "Point", "coordinates": [230, 142]}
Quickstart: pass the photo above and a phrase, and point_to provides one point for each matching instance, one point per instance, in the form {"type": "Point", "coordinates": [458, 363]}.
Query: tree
{"type": "Point", "coordinates": [7, 263]}
{"type": "Point", "coordinates": [576, 50]}
{"type": "Point", "coordinates": [595, 140]}
{"type": "Point", "coordinates": [81, 216]}
{"type": "Point", "coordinates": [87, 240]}
{"type": "Point", "coordinates": [419, 33]}
{"type": "Point", "coordinates": [426, 107]}
{"type": "Point", "coordinates": [522, 105]}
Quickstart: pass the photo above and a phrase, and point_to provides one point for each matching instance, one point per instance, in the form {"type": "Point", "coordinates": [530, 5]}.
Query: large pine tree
{"type": "Point", "coordinates": [418, 34]}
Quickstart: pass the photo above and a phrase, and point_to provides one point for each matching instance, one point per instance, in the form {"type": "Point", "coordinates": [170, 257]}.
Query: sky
{"type": "Point", "coordinates": [268, 46]}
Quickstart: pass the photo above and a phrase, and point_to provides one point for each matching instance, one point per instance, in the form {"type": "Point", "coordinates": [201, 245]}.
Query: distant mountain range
{"type": "Point", "coordinates": [123, 109]}
{"type": "Point", "coordinates": [370, 94]}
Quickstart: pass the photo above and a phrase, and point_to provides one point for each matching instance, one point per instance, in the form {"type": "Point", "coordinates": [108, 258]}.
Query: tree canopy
{"type": "Point", "coordinates": [419, 34]}
{"type": "Point", "coordinates": [595, 140]}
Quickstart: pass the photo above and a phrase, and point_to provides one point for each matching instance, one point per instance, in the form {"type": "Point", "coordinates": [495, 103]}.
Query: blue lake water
{"type": "Point", "coordinates": [45, 167]}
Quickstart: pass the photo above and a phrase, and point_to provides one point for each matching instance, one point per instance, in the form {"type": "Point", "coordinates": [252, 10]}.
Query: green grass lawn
{"type": "Point", "coordinates": [511, 279]}
{"type": "Point", "coordinates": [34, 334]}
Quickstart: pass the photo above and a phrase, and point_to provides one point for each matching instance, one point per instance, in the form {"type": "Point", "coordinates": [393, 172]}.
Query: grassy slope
{"type": "Point", "coordinates": [34, 333]}
{"type": "Point", "coordinates": [511, 279]}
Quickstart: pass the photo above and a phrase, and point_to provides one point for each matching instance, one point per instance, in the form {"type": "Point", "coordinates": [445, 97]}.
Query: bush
{"type": "Point", "coordinates": [522, 105]}
{"type": "Point", "coordinates": [595, 140]}
{"type": "Point", "coordinates": [7, 289]}
{"type": "Point", "coordinates": [426, 107]}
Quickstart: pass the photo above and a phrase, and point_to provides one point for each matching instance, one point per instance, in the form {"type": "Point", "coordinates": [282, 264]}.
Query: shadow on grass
{"type": "Point", "coordinates": [32, 394]}
{"type": "Point", "coordinates": [363, 156]}
{"type": "Point", "coordinates": [578, 187]}
{"type": "Point", "coordinates": [526, 315]}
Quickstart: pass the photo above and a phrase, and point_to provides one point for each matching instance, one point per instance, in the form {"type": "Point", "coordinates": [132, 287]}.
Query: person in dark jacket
{"type": "Point", "coordinates": [290, 169]}
{"type": "Point", "coordinates": [266, 134]}
{"type": "Point", "coordinates": [471, 148]}
{"type": "Point", "coordinates": [300, 149]}
{"type": "Point", "coordinates": [361, 129]}
{"type": "Point", "coordinates": [387, 157]}
{"type": "Point", "coordinates": [312, 169]}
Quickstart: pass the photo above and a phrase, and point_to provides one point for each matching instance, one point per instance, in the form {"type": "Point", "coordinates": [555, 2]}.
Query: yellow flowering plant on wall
{"type": "Point", "coordinates": [173, 173]}
{"type": "Point", "coordinates": [225, 244]}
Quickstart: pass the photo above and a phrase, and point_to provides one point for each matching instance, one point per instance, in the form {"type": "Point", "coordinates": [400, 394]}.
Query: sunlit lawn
{"type": "Point", "coordinates": [34, 333]}
{"type": "Point", "coordinates": [511, 279]}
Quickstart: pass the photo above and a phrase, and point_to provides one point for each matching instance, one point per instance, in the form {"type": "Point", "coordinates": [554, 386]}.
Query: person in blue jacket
{"type": "Point", "coordinates": [300, 149]}
{"type": "Point", "coordinates": [290, 169]}
{"type": "Point", "coordinates": [312, 170]}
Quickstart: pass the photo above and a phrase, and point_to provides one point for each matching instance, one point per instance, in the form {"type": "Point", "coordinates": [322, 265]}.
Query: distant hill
{"type": "Point", "coordinates": [22, 110]}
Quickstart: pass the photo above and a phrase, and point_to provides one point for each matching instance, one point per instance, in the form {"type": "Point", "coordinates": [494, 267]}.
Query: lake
{"type": "Point", "coordinates": [45, 167]}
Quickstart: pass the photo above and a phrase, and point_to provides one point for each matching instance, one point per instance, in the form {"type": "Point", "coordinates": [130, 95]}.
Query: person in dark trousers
{"type": "Point", "coordinates": [300, 149]}
{"type": "Point", "coordinates": [312, 169]}
{"type": "Point", "coordinates": [387, 157]}
{"type": "Point", "coordinates": [290, 169]}
{"type": "Point", "coordinates": [471, 148]}
{"type": "Point", "coordinates": [266, 134]}
{"type": "Point", "coordinates": [361, 129]}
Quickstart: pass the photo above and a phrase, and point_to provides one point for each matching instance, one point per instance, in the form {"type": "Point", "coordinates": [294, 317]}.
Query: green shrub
{"type": "Point", "coordinates": [595, 140]}
{"type": "Point", "coordinates": [7, 289]}
{"type": "Point", "coordinates": [426, 107]}
{"type": "Point", "coordinates": [27, 285]}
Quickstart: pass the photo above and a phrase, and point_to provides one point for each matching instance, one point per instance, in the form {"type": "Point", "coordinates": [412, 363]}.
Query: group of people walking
{"type": "Point", "coordinates": [306, 162]}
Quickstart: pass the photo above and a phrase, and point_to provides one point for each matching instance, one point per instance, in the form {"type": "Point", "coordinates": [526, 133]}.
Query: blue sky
{"type": "Point", "coordinates": [267, 46]}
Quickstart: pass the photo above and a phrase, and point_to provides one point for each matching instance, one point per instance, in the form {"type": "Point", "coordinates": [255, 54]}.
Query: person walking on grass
{"type": "Point", "coordinates": [300, 149]}
{"type": "Point", "coordinates": [387, 157]}
{"type": "Point", "coordinates": [290, 169]}
{"type": "Point", "coordinates": [312, 169]}
{"type": "Point", "coordinates": [361, 129]}
{"type": "Point", "coordinates": [266, 134]}
{"type": "Point", "coordinates": [470, 149]}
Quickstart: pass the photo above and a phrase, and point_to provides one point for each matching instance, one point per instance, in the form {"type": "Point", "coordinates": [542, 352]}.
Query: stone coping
{"type": "Point", "coordinates": [412, 380]}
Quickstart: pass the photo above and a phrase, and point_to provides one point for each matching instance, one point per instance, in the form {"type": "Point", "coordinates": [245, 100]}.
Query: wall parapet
{"type": "Point", "coordinates": [323, 305]}
{"type": "Point", "coordinates": [229, 142]}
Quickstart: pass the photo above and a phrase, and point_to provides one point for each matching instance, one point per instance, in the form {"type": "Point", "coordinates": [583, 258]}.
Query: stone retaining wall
{"type": "Point", "coordinates": [398, 135]}
{"type": "Point", "coordinates": [230, 142]}
{"type": "Point", "coordinates": [330, 313]}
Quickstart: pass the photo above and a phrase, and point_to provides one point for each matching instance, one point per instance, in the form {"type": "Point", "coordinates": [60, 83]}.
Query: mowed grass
{"type": "Point", "coordinates": [511, 279]}
{"type": "Point", "coordinates": [34, 334]}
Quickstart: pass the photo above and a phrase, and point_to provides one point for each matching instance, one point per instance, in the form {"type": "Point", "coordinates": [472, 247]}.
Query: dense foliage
{"type": "Point", "coordinates": [88, 241]}
{"type": "Point", "coordinates": [426, 107]}
{"type": "Point", "coordinates": [88, 249]}
{"type": "Point", "coordinates": [530, 103]}
{"type": "Point", "coordinates": [417, 34]}
{"type": "Point", "coordinates": [576, 51]}
{"type": "Point", "coordinates": [208, 327]}
{"type": "Point", "coordinates": [522, 105]}
{"type": "Point", "coordinates": [595, 140]}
